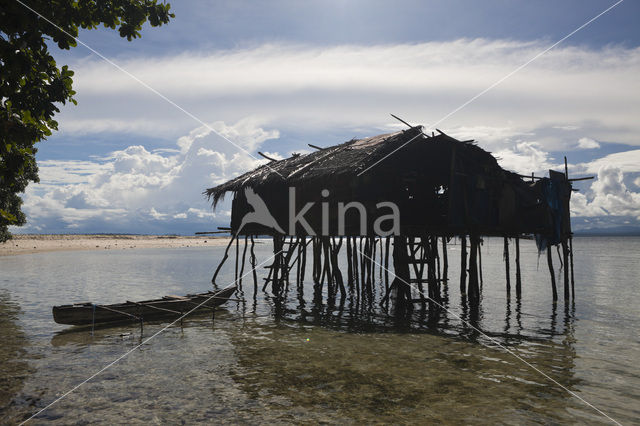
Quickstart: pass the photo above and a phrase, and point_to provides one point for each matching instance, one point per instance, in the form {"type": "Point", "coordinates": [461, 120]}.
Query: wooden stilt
{"type": "Point", "coordinates": [337, 274]}
{"type": "Point", "coordinates": [518, 275]}
{"type": "Point", "coordinates": [224, 258]}
{"type": "Point", "coordinates": [367, 263]}
{"type": "Point", "coordinates": [569, 234]}
{"type": "Point", "coordinates": [437, 254]}
{"type": "Point", "coordinates": [326, 262]}
{"type": "Point", "coordinates": [551, 271]}
{"type": "Point", "coordinates": [573, 294]}
{"type": "Point", "coordinates": [417, 261]}
{"type": "Point", "coordinates": [480, 262]}
{"type": "Point", "coordinates": [381, 258]}
{"type": "Point", "coordinates": [463, 264]}
{"type": "Point", "coordinates": [253, 267]}
{"type": "Point", "coordinates": [372, 262]}
{"type": "Point", "coordinates": [317, 260]}
{"type": "Point", "coordinates": [401, 268]}
{"type": "Point", "coordinates": [303, 260]}
{"type": "Point", "coordinates": [445, 262]}
{"type": "Point", "coordinates": [298, 262]}
{"type": "Point", "coordinates": [269, 276]}
{"type": "Point", "coordinates": [363, 262]}
{"type": "Point", "coordinates": [349, 263]}
{"type": "Point", "coordinates": [386, 262]}
{"type": "Point", "coordinates": [565, 262]}
{"type": "Point", "coordinates": [276, 283]}
{"type": "Point", "coordinates": [287, 263]}
{"type": "Point", "coordinates": [434, 282]}
{"type": "Point", "coordinates": [473, 290]}
{"type": "Point", "coordinates": [356, 271]}
{"type": "Point", "coordinates": [506, 264]}
{"type": "Point", "coordinates": [244, 257]}
{"type": "Point", "coordinates": [237, 259]}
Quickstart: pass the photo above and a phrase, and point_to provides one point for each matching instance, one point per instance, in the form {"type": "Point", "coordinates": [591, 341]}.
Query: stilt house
{"type": "Point", "coordinates": [408, 188]}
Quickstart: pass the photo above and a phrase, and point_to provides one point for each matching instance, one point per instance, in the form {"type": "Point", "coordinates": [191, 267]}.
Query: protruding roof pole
{"type": "Point", "coordinates": [402, 121]}
{"type": "Point", "coordinates": [266, 156]}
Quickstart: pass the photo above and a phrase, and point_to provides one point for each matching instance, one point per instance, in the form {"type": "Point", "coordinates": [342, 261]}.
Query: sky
{"type": "Point", "coordinates": [136, 153]}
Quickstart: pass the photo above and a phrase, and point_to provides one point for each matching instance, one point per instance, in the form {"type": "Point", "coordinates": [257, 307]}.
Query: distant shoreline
{"type": "Point", "coordinates": [38, 243]}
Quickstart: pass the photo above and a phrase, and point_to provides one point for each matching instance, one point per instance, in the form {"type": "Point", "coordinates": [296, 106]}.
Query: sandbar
{"type": "Point", "coordinates": [38, 243]}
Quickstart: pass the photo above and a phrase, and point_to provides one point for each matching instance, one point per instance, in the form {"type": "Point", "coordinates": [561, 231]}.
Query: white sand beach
{"type": "Point", "coordinates": [36, 243]}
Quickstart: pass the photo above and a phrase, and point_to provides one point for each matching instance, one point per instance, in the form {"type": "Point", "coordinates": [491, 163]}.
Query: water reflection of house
{"type": "Point", "coordinates": [442, 188]}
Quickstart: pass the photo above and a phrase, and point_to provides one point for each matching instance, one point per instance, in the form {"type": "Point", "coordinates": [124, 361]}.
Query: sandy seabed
{"type": "Point", "coordinates": [36, 243]}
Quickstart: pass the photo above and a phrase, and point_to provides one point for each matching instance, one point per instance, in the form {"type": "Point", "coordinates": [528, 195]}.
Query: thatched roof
{"type": "Point", "coordinates": [342, 163]}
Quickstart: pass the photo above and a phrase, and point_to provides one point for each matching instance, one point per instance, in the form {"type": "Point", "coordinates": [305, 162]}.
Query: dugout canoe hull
{"type": "Point", "coordinates": [167, 307]}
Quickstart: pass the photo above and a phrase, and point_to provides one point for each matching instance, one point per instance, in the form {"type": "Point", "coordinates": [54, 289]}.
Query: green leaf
{"type": "Point", "coordinates": [8, 216]}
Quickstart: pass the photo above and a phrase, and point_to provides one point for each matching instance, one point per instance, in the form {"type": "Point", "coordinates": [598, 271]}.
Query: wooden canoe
{"type": "Point", "coordinates": [167, 307]}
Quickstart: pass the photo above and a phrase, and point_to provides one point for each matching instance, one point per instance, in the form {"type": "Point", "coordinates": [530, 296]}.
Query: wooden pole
{"type": "Point", "coordinates": [570, 236]}
{"type": "Point", "coordinates": [363, 263]}
{"type": "Point", "coordinates": [553, 277]}
{"type": "Point", "coordinates": [303, 261]}
{"type": "Point", "coordinates": [573, 294]}
{"type": "Point", "coordinates": [237, 258]}
{"type": "Point", "coordinates": [316, 260]}
{"type": "Point", "coordinates": [224, 258]}
{"type": "Point", "coordinates": [386, 262]}
{"type": "Point", "coordinates": [337, 275]}
{"type": "Point", "coordinates": [435, 249]}
{"type": "Point", "coordinates": [299, 262]}
{"type": "Point", "coordinates": [434, 281]}
{"type": "Point", "coordinates": [445, 261]}
{"type": "Point", "coordinates": [349, 263]}
{"type": "Point", "coordinates": [253, 267]}
{"type": "Point", "coordinates": [244, 257]}
{"type": "Point", "coordinates": [463, 264]}
{"type": "Point", "coordinates": [474, 293]}
{"type": "Point", "coordinates": [356, 271]}
{"type": "Point", "coordinates": [565, 262]}
{"type": "Point", "coordinates": [372, 263]}
{"type": "Point", "coordinates": [518, 276]}
{"type": "Point", "coordinates": [401, 268]}
{"type": "Point", "coordinates": [277, 264]}
{"type": "Point", "coordinates": [381, 258]}
{"type": "Point", "coordinates": [506, 263]}
{"type": "Point", "coordinates": [326, 270]}
{"type": "Point", "coordinates": [416, 252]}
{"type": "Point", "coordinates": [480, 261]}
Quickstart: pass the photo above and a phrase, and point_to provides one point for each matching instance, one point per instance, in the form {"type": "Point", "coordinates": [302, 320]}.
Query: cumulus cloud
{"type": "Point", "coordinates": [588, 143]}
{"type": "Point", "coordinates": [525, 158]}
{"type": "Point", "coordinates": [61, 172]}
{"type": "Point", "coordinates": [609, 196]}
{"type": "Point", "coordinates": [135, 190]}
{"type": "Point", "coordinates": [627, 162]}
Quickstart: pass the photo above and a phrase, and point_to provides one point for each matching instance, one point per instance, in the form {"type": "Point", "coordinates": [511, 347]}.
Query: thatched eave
{"type": "Point", "coordinates": [341, 163]}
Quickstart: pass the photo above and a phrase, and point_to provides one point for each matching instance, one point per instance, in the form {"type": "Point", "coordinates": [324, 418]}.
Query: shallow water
{"type": "Point", "coordinates": [314, 362]}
